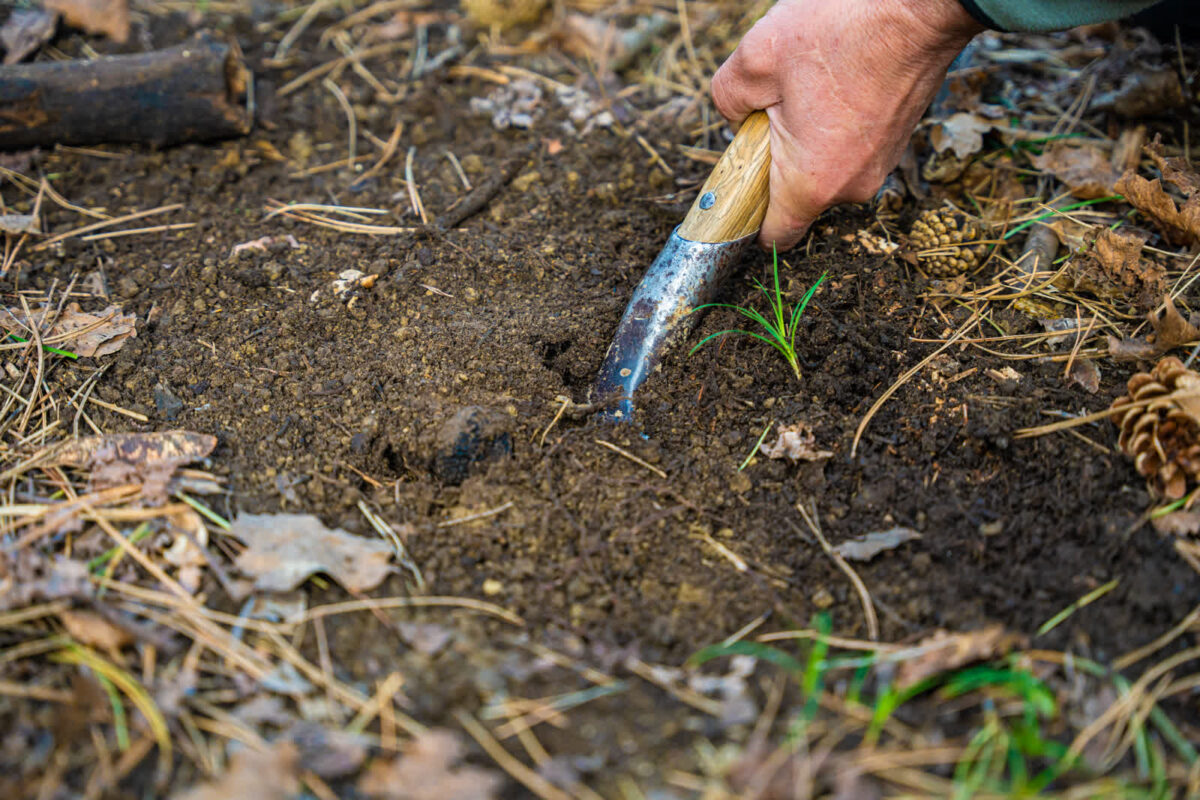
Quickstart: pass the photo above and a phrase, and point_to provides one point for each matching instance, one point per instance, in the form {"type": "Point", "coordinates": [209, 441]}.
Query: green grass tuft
{"type": "Point", "coordinates": [780, 329]}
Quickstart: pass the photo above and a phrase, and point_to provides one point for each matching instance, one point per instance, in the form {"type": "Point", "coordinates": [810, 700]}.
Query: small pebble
{"type": "Point", "coordinates": [822, 599]}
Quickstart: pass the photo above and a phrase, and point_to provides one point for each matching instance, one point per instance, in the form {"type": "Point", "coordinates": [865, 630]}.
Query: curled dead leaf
{"type": "Point", "coordinates": [1181, 222]}
{"type": "Point", "coordinates": [1170, 328]}
{"type": "Point", "coordinates": [1114, 267]}
{"type": "Point", "coordinates": [1175, 171]}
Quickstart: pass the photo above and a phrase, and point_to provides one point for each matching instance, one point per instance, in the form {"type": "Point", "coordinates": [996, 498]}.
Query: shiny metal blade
{"type": "Point", "coordinates": [686, 274]}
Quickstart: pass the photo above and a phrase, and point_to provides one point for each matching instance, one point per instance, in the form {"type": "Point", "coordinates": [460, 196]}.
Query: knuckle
{"type": "Point", "coordinates": [756, 59]}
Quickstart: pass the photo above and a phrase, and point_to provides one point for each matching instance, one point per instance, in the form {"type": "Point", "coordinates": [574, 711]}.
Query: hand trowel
{"type": "Point", "coordinates": [693, 264]}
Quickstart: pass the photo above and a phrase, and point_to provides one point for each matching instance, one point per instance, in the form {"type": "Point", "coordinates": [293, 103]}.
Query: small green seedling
{"type": "Point", "coordinates": [780, 331]}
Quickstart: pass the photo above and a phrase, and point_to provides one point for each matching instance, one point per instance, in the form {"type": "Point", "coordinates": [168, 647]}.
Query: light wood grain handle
{"type": "Point", "coordinates": [734, 198]}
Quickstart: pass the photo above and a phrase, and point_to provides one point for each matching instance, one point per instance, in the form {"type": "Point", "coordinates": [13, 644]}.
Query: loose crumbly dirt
{"type": "Point", "coordinates": [317, 405]}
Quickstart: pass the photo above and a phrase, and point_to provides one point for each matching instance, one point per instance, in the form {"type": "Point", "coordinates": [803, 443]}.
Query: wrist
{"type": "Point", "coordinates": [935, 27]}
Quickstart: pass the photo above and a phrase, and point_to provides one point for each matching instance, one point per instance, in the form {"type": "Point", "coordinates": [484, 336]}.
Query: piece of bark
{"type": "Point", "coordinates": [190, 92]}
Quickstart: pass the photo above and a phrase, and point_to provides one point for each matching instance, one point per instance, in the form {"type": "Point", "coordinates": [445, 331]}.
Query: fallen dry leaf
{"type": "Point", "coordinates": [117, 459]}
{"type": "Point", "coordinates": [1178, 523]}
{"type": "Point", "coordinates": [1086, 171]}
{"type": "Point", "coordinates": [284, 550]}
{"type": "Point", "coordinates": [19, 223]}
{"type": "Point", "coordinates": [962, 132]}
{"type": "Point", "coordinates": [1114, 267]}
{"type": "Point", "coordinates": [252, 775]}
{"type": "Point", "coordinates": [1170, 328]}
{"type": "Point", "coordinates": [1175, 171]}
{"type": "Point", "coordinates": [430, 769]}
{"type": "Point", "coordinates": [866, 547]}
{"type": "Point", "coordinates": [25, 30]}
{"type": "Point", "coordinates": [85, 334]}
{"type": "Point", "coordinates": [180, 447]}
{"type": "Point", "coordinates": [106, 17]}
{"type": "Point", "coordinates": [92, 629]}
{"type": "Point", "coordinates": [1130, 349]}
{"type": "Point", "coordinates": [795, 443]}
{"type": "Point", "coordinates": [943, 651]}
{"type": "Point", "coordinates": [27, 577]}
{"type": "Point", "coordinates": [1143, 93]}
{"type": "Point", "coordinates": [1085, 372]}
{"type": "Point", "coordinates": [1182, 223]}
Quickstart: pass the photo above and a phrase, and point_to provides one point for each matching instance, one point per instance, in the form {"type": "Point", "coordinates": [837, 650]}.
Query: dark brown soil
{"type": "Point", "coordinates": [308, 395]}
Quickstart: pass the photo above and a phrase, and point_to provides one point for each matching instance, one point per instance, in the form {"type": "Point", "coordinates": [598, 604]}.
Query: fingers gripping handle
{"type": "Point", "coordinates": [733, 202]}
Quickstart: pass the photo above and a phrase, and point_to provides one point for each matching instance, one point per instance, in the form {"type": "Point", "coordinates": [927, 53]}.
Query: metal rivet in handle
{"type": "Point", "coordinates": [707, 201]}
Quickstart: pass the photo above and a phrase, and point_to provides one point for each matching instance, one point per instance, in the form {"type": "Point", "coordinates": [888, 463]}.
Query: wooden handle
{"type": "Point", "coordinates": [734, 198]}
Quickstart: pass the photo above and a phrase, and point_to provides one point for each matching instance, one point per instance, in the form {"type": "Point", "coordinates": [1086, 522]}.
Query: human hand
{"type": "Point", "coordinates": [844, 83]}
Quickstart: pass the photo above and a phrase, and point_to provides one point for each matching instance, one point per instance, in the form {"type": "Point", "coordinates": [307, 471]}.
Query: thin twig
{"type": "Point", "coordinates": [863, 595]}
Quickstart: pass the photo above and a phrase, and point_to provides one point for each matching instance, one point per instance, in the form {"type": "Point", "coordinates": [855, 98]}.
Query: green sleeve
{"type": "Point", "coordinates": [1049, 15]}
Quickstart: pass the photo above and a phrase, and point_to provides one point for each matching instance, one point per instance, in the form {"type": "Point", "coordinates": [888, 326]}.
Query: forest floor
{"type": "Point", "coordinates": [555, 580]}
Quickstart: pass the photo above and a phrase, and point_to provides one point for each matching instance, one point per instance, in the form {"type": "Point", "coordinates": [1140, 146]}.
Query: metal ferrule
{"type": "Point", "coordinates": [685, 275]}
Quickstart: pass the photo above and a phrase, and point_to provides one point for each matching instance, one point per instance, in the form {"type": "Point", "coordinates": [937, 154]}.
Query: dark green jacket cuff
{"type": "Point", "coordinates": [1049, 15]}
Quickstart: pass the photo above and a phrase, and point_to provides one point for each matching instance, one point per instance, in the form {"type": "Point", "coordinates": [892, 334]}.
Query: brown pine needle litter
{"type": "Point", "coordinates": [141, 656]}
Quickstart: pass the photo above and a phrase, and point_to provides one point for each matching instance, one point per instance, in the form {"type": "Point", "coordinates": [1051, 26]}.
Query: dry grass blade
{"type": "Point", "coordinates": [108, 223]}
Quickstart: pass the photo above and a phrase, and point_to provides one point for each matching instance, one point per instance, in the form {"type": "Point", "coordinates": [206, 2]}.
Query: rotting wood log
{"type": "Point", "coordinates": [198, 90]}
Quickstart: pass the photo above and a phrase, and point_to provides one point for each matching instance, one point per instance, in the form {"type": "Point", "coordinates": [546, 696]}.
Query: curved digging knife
{"type": "Point", "coordinates": [693, 264]}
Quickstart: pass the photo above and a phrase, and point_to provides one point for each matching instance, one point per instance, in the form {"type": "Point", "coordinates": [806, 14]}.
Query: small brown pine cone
{"type": "Point", "coordinates": [1161, 431]}
{"type": "Point", "coordinates": [944, 242]}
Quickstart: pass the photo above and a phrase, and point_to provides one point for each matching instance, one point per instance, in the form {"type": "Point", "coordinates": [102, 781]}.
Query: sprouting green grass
{"type": "Point", "coordinates": [779, 329]}
{"type": "Point", "coordinates": [1016, 747]}
{"type": "Point", "coordinates": [55, 350]}
{"type": "Point", "coordinates": [1056, 211]}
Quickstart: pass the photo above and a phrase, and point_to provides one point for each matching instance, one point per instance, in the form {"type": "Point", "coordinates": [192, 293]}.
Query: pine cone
{"type": "Point", "coordinates": [938, 238]}
{"type": "Point", "coordinates": [1162, 432]}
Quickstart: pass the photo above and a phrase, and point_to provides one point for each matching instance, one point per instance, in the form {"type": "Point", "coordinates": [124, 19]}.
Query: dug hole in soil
{"type": "Point", "coordinates": [429, 394]}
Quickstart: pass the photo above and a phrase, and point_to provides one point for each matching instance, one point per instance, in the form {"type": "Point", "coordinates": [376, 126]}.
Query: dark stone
{"type": "Point", "coordinates": [361, 442]}
{"type": "Point", "coordinates": [472, 437]}
{"type": "Point", "coordinates": [166, 402]}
